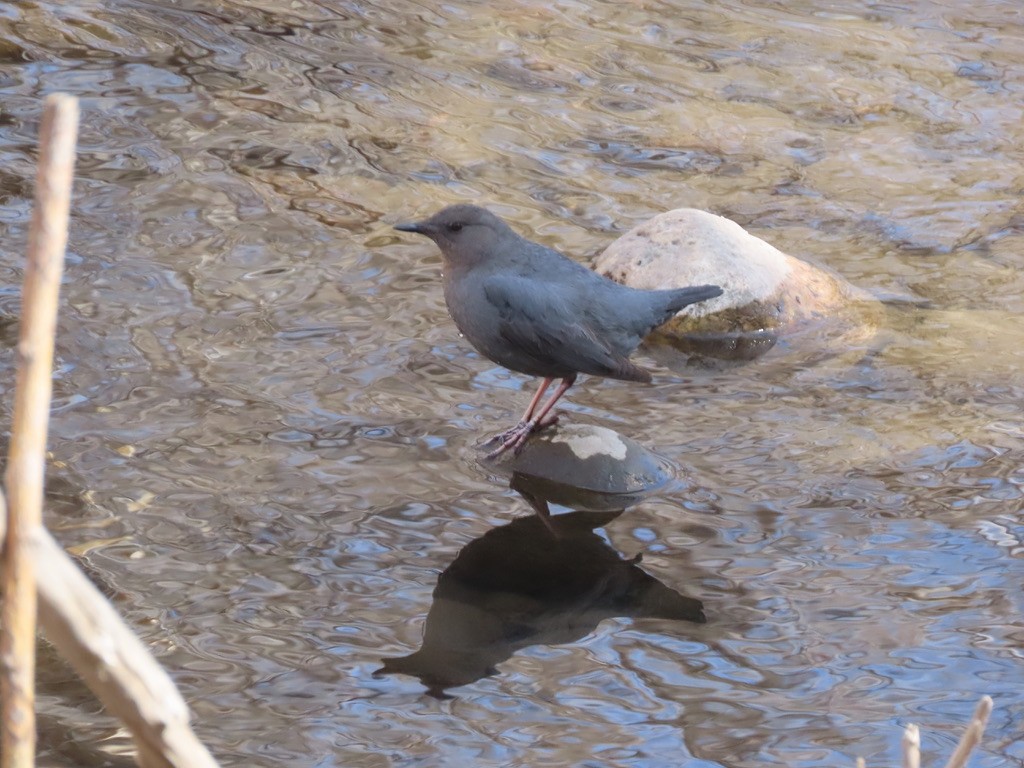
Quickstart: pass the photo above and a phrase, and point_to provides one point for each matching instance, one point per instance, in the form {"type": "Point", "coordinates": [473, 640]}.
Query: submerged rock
{"type": "Point", "coordinates": [586, 467]}
{"type": "Point", "coordinates": [768, 294]}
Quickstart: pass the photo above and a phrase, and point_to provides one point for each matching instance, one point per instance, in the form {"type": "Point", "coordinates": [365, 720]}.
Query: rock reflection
{"type": "Point", "coordinates": [519, 585]}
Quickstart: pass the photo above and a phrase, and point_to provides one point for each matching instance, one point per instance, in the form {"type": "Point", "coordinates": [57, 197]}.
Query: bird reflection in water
{"type": "Point", "coordinates": [519, 585]}
{"type": "Point", "coordinates": [546, 579]}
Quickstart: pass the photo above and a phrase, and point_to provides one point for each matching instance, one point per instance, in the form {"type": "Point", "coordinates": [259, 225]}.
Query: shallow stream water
{"type": "Point", "coordinates": [265, 423]}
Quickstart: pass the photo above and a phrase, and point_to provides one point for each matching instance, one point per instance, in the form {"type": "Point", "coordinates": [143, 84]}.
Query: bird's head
{"type": "Point", "coordinates": [465, 234]}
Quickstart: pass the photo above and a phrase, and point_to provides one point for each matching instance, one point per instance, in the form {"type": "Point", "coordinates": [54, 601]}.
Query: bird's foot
{"type": "Point", "coordinates": [508, 434]}
{"type": "Point", "coordinates": [514, 439]}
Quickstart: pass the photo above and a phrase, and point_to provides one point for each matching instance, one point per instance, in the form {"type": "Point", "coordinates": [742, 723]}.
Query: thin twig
{"type": "Point", "coordinates": [27, 460]}
{"type": "Point", "coordinates": [972, 736]}
{"type": "Point", "coordinates": [911, 747]}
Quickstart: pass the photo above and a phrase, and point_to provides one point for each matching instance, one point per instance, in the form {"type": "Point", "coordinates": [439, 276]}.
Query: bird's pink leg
{"type": "Point", "coordinates": [536, 399]}
{"type": "Point", "coordinates": [563, 387]}
{"type": "Point", "coordinates": [515, 438]}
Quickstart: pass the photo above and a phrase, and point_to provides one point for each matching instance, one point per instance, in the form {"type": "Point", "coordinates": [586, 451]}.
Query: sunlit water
{"type": "Point", "coordinates": [265, 423]}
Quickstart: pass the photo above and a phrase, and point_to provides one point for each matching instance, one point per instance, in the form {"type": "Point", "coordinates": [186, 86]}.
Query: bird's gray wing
{"type": "Point", "coordinates": [539, 321]}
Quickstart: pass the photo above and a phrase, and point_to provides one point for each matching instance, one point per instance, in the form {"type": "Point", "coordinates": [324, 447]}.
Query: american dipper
{"type": "Point", "coordinates": [535, 311]}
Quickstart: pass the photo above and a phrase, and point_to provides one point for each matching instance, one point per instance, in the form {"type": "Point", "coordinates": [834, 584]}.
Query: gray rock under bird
{"type": "Point", "coordinates": [535, 311]}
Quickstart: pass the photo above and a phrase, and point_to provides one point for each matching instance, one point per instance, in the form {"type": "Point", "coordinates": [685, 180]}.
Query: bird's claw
{"type": "Point", "coordinates": [507, 435]}
{"type": "Point", "coordinates": [514, 439]}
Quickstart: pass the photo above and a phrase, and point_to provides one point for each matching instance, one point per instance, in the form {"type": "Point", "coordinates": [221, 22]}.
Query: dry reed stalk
{"type": "Point", "coordinates": [912, 747]}
{"type": "Point", "coordinates": [971, 739]}
{"type": "Point", "coordinates": [114, 663]}
{"type": "Point", "coordinates": [27, 458]}
{"type": "Point", "coordinates": [972, 736]}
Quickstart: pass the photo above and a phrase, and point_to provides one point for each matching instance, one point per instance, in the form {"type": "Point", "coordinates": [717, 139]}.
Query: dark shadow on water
{"type": "Point", "coordinates": [725, 349]}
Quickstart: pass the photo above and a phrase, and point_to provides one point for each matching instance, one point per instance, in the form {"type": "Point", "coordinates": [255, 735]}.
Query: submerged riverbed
{"type": "Point", "coordinates": [265, 423]}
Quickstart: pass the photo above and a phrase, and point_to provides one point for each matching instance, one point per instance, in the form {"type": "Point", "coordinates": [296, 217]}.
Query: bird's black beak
{"type": "Point", "coordinates": [418, 227]}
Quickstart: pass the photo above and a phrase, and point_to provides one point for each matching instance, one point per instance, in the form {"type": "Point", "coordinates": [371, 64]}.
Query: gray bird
{"type": "Point", "coordinates": [535, 311]}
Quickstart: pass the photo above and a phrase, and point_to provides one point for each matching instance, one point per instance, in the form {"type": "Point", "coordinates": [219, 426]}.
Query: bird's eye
{"type": "Point", "coordinates": [454, 227]}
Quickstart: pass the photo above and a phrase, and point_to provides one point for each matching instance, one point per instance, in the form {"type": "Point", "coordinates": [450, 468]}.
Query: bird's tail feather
{"type": "Point", "coordinates": [684, 297]}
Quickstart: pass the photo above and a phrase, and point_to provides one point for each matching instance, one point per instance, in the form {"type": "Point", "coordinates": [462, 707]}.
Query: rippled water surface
{"type": "Point", "coordinates": [265, 423]}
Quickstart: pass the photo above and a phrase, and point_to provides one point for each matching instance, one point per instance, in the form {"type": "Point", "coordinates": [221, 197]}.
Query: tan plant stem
{"type": "Point", "coordinates": [27, 459]}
